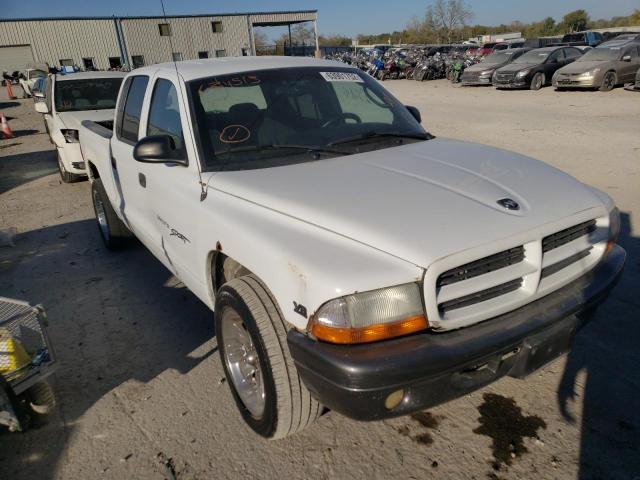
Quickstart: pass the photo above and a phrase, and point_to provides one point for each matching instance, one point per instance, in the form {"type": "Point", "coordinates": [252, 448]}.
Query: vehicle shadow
{"type": "Point", "coordinates": [113, 319]}
{"type": "Point", "coordinates": [21, 168]}
{"type": "Point", "coordinates": [607, 352]}
{"type": "Point", "coordinates": [5, 105]}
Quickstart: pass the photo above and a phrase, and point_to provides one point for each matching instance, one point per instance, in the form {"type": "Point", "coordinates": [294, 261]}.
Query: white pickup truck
{"type": "Point", "coordinates": [67, 101]}
{"type": "Point", "coordinates": [352, 260]}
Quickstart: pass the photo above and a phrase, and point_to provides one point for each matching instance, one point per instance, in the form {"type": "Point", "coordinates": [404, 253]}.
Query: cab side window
{"type": "Point", "coordinates": [130, 108]}
{"type": "Point", "coordinates": [556, 57]}
{"type": "Point", "coordinates": [164, 114]}
{"type": "Point", "coordinates": [572, 53]}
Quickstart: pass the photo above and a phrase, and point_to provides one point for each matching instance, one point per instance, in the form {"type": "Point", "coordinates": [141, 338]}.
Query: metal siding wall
{"type": "Point", "coordinates": [190, 35]}
{"type": "Point", "coordinates": [53, 40]}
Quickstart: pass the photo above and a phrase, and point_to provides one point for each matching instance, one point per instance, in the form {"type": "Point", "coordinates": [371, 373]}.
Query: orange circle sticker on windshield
{"type": "Point", "coordinates": [235, 134]}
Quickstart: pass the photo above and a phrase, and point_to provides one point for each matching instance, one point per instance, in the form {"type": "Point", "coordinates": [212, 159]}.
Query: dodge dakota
{"type": "Point", "coordinates": [352, 260]}
{"type": "Point", "coordinates": [69, 99]}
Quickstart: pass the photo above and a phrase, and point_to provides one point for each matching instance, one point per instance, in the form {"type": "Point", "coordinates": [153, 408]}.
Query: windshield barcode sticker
{"type": "Point", "coordinates": [341, 77]}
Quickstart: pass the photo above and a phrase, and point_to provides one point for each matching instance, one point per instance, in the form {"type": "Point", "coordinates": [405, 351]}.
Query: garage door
{"type": "Point", "coordinates": [15, 57]}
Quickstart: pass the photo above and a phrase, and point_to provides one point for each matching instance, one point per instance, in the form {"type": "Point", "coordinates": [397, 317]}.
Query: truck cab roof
{"type": "Point", "coordinates": [192, 69]}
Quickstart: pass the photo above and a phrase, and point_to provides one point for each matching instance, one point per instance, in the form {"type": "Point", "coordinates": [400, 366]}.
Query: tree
{"type": "Point", "coordinates": [634, 18]}
{"type": "Point", "coordinates": [548, 26]}
{"type": "Point", "coordinates": [575, 21]}
{"type": "Point", "coordinates": [260, 38]}
{"type": "Point", "coordinates": [449, 16]}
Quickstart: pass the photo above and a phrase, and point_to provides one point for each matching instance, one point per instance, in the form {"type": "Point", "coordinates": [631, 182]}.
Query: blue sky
{"type": "Point", "coordinates": [348, 17]}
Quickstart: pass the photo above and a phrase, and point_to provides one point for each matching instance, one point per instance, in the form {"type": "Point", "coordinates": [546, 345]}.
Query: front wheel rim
{"type": "Point", "coordinates": [242, 362]}
{"type": "Point", "coordinates": [609, 82]}
{"type": "Point", "coordinates": [101, 215]}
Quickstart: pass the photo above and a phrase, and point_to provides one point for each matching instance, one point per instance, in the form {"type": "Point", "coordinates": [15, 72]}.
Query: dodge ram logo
{"type": "Point", "coordinates": [509, 204]}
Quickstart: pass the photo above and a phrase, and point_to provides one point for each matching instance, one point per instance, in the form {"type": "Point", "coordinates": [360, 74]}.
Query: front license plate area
{"type": "Point", "coordinates": [540, 349]}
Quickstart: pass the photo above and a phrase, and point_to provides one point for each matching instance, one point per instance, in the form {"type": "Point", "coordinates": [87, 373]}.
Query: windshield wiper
{"type": "Point", "coordinates": [283, 146]}
{"type": "Point", "coordinates": [368, 135]}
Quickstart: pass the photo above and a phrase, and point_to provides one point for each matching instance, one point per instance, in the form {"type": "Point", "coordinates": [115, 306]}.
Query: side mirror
{"type": "Point", "coordinates": [41, 106]}
{"type": "Point", "coordinates": [415, 113]}
{"type": "Point", "coordinates": [626, 58]}
{"type": "Point", "coordinates": [158, 149]}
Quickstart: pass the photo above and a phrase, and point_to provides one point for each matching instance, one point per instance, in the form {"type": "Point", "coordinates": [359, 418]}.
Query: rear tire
{"type": "Point", "coordinates": [246, 312]}
{"type": "Point", "coordinates": [537, 81]}
{"type": "Point", "coordinates": [609, 81]}
{"type": "Point", "coordinates": [65, 176]}
{"type": "Point", "coordinates": [113, 232]}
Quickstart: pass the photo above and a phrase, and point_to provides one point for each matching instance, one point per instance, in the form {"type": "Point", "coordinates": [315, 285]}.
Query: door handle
{"type": "Point", "coordinates": [142, 179]}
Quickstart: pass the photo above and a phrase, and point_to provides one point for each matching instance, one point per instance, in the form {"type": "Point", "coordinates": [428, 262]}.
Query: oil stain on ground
{"type": "Point", "coordinates": [425, 420]}
{"type": "Point", "coordinates": [503, 421]}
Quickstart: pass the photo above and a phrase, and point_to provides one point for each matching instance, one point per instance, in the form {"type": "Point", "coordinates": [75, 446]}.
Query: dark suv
{"type": "Point", "coordinates": [535, 68]}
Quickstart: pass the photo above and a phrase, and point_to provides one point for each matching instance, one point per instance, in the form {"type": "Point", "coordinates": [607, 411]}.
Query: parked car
{"type": "Point", "coordinates": [634, 87]}
{"type": "Point", "coordinates": [351, 259]}
{"type": "Point", "coordinates": [31, 76]}
{"type": "Point", "coordinates": [535, 68]}
{"type": "Point", "coordinates": [591, 39]}
{"type": "Point", "coordinates": [627, 36]}
{"type": "Point", "coordinates": [486, 49]}
{"type": "Point", "coordinates": [602, 68]}
{"type": "Point", "coordinates": [481, 73]}
{"type": "Point", "coordinates": [68, 100]}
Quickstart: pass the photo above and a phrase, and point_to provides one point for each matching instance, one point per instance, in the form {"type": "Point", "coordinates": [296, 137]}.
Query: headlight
{"type": "Point", "coordinates": [70, 136]}
{"type": "Point", "coordinates": [522, 73]}
{"type": "Point", "coordinates": [589, 74]}
{"type": "Point", "coordinates": [486, 73]}
{"type": "Point", "coordinates": [370, 316]}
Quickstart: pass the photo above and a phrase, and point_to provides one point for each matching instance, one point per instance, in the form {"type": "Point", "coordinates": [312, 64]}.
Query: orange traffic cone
{"type": "Point", "coordinates": [10, 94]}
{"type": "Point", "coordinates": [6, 131]}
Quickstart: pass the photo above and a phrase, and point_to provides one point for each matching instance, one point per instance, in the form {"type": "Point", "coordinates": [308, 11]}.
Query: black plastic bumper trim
{"type": "Point", "coordinates": [433, 368]}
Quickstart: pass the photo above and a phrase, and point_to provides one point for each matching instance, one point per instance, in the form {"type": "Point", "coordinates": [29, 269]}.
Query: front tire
{"type": "Point", "coordinates": [252, 340]}
{"type": "Point", "coordinates": [113, 232]}
{"type": "Point", "coordinates": [609, 81]}
{"type": "Point", "coordinates": [537, 81]}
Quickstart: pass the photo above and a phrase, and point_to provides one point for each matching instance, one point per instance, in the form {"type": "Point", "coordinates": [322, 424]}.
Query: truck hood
{"type": "Point", "coordinates": [418, 202]}
{"type": "Point", "coordinates": [73, 120]}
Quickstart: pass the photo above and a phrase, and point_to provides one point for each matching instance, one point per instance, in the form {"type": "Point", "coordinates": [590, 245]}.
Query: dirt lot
{"type": "Point", "coordinates": [139, 385]}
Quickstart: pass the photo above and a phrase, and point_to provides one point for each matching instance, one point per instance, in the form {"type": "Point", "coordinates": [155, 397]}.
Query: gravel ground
{"type": "Point", "coordinates": [139, 387]}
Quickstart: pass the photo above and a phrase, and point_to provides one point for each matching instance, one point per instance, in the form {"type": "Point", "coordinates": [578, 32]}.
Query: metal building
{"type": "Point", "coordinates": [130, 42]}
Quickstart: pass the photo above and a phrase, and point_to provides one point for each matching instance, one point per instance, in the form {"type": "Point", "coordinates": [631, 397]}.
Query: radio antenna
{"type": "Point", "coordinates": [203, 186]}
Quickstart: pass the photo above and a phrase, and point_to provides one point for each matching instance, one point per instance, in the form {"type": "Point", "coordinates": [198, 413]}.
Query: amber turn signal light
{"type": "Point", "coordinates": [368, 334]}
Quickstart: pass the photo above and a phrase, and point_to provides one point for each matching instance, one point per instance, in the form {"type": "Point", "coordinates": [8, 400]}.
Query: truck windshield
{"type": "Point", "coordinates": [269, 117]}
{"type": "Point", "coordinates": [86, 94]}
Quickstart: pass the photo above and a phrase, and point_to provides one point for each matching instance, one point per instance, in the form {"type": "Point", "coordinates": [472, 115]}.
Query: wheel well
{"type": "Point", "coordinates": [93, 170]}
{"type": "Point", "coordinates": [224, 269]}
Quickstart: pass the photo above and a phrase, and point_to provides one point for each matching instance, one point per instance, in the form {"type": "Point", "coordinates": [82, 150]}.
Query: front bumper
{"type": "Point", "coordinates": [72, 158]}
{"type": "Point", "coordinates": [576, 83]}
{"type": "Point", "coordinates": [514, 84]}
{"type": "Point", "coordinates": [475, 81]}
{"type": "Point", "coordinates": [433, 368]}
